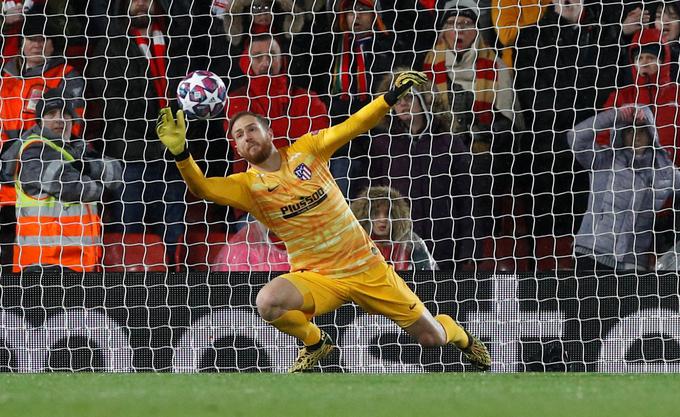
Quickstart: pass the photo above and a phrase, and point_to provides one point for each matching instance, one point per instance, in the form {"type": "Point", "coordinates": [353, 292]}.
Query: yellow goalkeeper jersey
{"type": "Point", "coordinates": [301, 203]}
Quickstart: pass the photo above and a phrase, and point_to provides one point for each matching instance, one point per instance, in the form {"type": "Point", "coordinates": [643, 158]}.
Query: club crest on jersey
{"type": "Point", "coordinates": [303, 172]}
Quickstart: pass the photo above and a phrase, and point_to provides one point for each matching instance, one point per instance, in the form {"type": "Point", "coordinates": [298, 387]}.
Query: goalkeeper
{"type": "Point", "coordinates": [333, 261]}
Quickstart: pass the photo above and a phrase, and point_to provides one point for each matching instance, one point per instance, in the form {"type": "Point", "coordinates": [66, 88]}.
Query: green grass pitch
{"type": "Point", "coordinates": [347, 395]}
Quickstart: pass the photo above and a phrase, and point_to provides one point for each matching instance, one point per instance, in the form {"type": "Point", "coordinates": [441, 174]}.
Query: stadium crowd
{"type": "Point", "coordinates": [546, 139]}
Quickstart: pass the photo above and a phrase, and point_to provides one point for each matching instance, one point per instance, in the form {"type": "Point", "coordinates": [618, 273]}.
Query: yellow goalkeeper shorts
{"type": "Point", "coordinates": [378, 291]}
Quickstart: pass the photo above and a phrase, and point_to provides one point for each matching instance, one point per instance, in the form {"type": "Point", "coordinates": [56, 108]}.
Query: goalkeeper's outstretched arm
{"type": "Point", "coordinates": [226, 191]}
{"type": "Point", "coordinates": [370, 115]}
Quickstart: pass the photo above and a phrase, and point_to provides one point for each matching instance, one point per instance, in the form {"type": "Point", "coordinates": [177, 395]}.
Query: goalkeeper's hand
{"type": "Point", "coordinates": [170, 131]}
{"type": "Point", "coordinates": [403, 84]}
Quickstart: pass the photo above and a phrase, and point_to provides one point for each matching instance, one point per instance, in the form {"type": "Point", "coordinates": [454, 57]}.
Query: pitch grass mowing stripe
{"type": "Point", "coordinates": [346, 395]}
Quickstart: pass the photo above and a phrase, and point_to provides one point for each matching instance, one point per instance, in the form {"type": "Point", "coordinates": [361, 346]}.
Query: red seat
{"type": "Point", "coordinates": [134, 252]}
{"type": "Point", "coordinates": [554, 253]}
{"type": "Point", "coordinates": [199, 247]}
{"type": "Point", "coordinates": [505, 254]}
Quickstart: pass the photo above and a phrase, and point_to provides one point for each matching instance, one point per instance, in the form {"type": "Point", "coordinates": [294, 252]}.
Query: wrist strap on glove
{"type": "Point", "coordinates": [185, 154]}
{"type": "Point", "coordinates": [395, 93]}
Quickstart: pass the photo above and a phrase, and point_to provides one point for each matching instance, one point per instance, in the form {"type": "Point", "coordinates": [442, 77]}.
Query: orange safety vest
{"type": "Point", "coordinates": [18, 99]}
{"type": "Point", "coordinates": [52, 232]}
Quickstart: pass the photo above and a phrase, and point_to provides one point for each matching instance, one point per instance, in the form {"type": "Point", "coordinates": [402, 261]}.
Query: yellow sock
{"type": "Point", "coordinates": [454, 332]}
{"type": "Point", "coordinates": [295, 323]}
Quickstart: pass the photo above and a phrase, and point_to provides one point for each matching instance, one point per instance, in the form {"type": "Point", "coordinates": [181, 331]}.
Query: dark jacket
{"type": "Point", "coordinates": [564, 71]}
{"type": "Point", "coordinates": [432, 170]}
{"type": "Point", "coordinates": [379, 59]}
{"type": "Point", "coordinates": [119, 82]}
{"type": "Point", "coordinates": [413, 24]}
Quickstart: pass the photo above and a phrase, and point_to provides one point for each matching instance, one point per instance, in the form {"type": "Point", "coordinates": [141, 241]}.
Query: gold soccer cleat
{"type": "Point", "coordinates": [307, 358]}
{"type": "Point", "coordinates": [476, 353]}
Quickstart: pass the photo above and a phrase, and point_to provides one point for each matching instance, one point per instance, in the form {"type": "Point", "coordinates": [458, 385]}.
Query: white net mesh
{"type": "Point", "coordinates": [528, 187]}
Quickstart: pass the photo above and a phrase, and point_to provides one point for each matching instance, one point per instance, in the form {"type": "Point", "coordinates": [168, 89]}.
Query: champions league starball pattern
{"type": "Point", "coordinates": [202, 95]}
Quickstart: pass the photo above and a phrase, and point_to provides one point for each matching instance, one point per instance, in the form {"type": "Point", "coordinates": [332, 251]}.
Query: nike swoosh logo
{"type": "Point", "coordinates": [270, 189]}
{"type": "Point", "coordinates": [412, 306]}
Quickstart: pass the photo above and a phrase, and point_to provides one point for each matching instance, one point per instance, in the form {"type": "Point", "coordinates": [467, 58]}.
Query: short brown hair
{"type": "Point", "coordinates": [264, 37]}
{"type": "Point", "coordinates": [263, 121]}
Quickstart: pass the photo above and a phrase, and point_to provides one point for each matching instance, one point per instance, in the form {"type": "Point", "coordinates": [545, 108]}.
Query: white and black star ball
{"type": "Point", "coordinates": [202, 95]}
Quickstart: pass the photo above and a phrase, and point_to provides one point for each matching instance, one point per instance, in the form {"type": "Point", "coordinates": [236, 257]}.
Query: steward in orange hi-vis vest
{"type": "Point", "coordinates": [58, 186]}
{"type": "Point", "coordinates": [25, 79]}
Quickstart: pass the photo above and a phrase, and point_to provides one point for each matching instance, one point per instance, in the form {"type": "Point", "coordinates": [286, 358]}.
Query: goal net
{"type": "Point", "coordinates": [527, 189]}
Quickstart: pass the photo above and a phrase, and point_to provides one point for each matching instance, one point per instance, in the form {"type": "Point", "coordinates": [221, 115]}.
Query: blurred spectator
{"type": "Point", "coordinates": [58, 185]}
{"type": "Point", "coordinates": [209, 44]}
{"type": "Point", "coordinates": [509, 17]}
{"type": "Point", "coordinates": [40, 66]}
{"type": "Point", "coordinates": [189, 26]}
{"type": "Point", "coordinates": [630, 180]}
{"type": "Point", "coordinates": [355, 56]}
{"type": "Point", "coordinates": [411, 22]}
{"type": "Point", "coordinates": [363, 51]}
{"type": "Point", "coordinates": [573, 53]}
{"type": "Point", "coordinates": [11, 22]}
{"type": "Point", "coordinates": [420, 158]}
{"type": "Point", "coordinates": [667, 21]}
{"type": "Point", "coordinates": [293, 111]}
{"type": "Point", "coordinates": [635, 17]}
{"type": "Point", "coordinates": [384, 214]}
{"type": "Point", "coordinates": [475, 83]}
{"type": "Point", "coordinates": [131, 74]}
{"type": "Point", "coordinates": [253, 248]}
{"type": "Point", "coordinates": [477, 87]}
{"type": "Point", "coordinates": [281, 18]}
{"type": "Point", "coordinates": [565, 68]}
{"type": "Point", "coordinates": [652, 86]}
{"type": "Point", "coordinates": [288, 21]}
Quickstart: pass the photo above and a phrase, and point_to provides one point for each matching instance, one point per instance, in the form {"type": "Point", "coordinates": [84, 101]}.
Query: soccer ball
{"type": "Point", "coordinates": [202, 95]}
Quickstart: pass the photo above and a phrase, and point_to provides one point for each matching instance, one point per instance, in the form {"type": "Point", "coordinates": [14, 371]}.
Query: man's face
{"type": "Point", "coordinates": [253, 141]}
{"type": "Point", "coordinates": [58, 123]}
{"type": "Point", "coordinates": [459, 33]}
{"type": "Point", "coordinates": [668, 22]}
{"type": "Point", "coordinates": [265, 57]}
{"type": "Point", "coordinates": [647, 65]}
{"type": "Point", "coordinates": [360, 19]}
{"type": "Point", "coordinates": [37, 48]}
